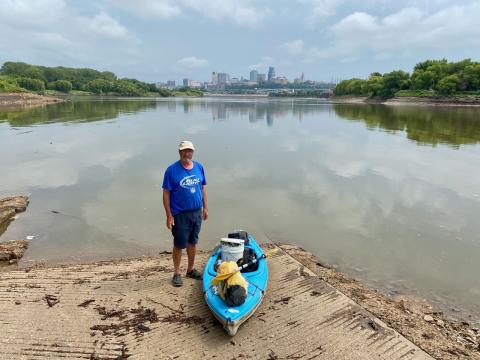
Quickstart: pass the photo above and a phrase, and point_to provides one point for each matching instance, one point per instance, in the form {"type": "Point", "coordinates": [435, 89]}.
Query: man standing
{"type": "Point", "coordinates": [185, 202]}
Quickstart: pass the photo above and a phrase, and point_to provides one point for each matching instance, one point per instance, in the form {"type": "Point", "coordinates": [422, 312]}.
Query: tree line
{"type": "Point", "coordinates": [429, 78]}
{"type": "Point", "coordinates": [19, 76]}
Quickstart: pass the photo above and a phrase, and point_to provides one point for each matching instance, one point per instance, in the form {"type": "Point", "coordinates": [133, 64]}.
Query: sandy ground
{"type": "Point", "coordinates": [128, 309]}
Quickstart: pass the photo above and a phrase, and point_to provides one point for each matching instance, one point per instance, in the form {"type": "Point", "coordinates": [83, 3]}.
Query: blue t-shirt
{"type": "Point", "coordinates": [185, 187]}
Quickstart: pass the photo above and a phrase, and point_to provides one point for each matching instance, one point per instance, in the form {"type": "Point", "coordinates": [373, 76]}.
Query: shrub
{"type": "Point", "coordinates": [62, 85]}
{"type": "Point", "coordinates": [31, 84]}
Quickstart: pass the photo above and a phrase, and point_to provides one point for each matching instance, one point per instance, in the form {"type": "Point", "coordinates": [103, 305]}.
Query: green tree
{"type": "Point", "coordinates": [100, 86]}
{"type": "Point", "coordinates": [470, 78]}
{"type": "Point", "coordinates": [448, 85]}
{"type": "Point", "coordinates": [394, 81]}
{"type": "Point", "coordinates": [9, 85]}
{"type": "Point", "coordinates": [31, 84]}
{"type": "Point", "coordinates": [62, 85]}
{"type": "Point", "coordinates": [54, 74]}
{"type": "Point", "coordinates": [351, 87]}
{"type": "Point", "coordinates": [14, 68]}
{"type": "Point", "coordinates": [374, 84]}
{"type": "Point", "coordinates": [164, 92]}
{"type": "Point", "coordinates": [127, 88]}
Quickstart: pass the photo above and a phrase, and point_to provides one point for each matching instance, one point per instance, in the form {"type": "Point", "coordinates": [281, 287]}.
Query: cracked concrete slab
{"type": "Point", "coordinates": [129, 309]}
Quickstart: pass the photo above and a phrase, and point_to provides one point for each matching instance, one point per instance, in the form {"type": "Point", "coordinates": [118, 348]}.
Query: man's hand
{"type": "Point", "coordinates": [170, 222]}
{"type": "Point", "coordinates": [205, 214]}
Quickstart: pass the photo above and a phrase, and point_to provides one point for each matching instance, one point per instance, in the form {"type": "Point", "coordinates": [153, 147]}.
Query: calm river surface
{"type": "Point", "coordinates": [390, 195]}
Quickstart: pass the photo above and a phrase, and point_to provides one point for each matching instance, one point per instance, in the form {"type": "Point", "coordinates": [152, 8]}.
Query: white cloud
{"type": "Point", "coordinates": [104, 25]}
{"type": "Point", "coordinates": [62, 36]}
{"type": "Point", "coordinates": [25, 13]}
{"type": "Point", "coordinates": [51, 39]}
{"type": "Point", "coordinates": [411, 30]}
{"type": "Point", "coordinates": [296, 47]}
{"type": "Point", "coordinates": [358, 21]}
{"type": "Point", "coordinates": [241, 12]}
{"type": "Point", "coordinates": [319, 10]}
{"type": "Point", "coordinates": [150, 9]}
{"type": "Point", "coordinates": [192, 62]}
{"type": "Point", "coordinates": [263, 65]}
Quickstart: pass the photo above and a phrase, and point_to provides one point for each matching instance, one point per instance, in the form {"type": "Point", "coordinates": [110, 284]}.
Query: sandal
{"type": "Point", "coordinates": [177, 280]}
{"type": "Point", "coordinates": [194, 274]}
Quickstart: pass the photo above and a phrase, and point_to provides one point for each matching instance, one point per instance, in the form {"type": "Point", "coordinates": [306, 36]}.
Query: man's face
{"type": "Point", "coordinates": [186, 155]}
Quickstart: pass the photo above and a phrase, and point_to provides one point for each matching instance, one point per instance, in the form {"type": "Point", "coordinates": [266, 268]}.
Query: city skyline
{"type": "Point", "coordinates": [160, 40]}
{"type": "Point", "coordinates": [254, 76]}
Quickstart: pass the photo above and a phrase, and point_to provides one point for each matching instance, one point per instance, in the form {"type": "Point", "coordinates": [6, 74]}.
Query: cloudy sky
{"type": "Point", "coordinates": [157, 40]}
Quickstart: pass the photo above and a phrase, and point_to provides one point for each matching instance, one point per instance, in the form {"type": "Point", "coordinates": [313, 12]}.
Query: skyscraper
{"type": "Point", "coordinates": [222, 78]}
{"type": "Point", "coordinates": [253, 75]}
{"type": "Point", "coordinates": [271, 73]}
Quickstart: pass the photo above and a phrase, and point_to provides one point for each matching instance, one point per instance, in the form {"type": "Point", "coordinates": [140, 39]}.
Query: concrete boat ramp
{"type": "Point", "coordinates": [128, 309]}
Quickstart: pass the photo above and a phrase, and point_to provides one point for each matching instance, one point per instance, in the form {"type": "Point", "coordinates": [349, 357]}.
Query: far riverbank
{"type": "Point", "coordinates": [409, 100]}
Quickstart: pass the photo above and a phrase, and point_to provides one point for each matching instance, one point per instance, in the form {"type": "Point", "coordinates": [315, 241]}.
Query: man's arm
{"type": "Point", "coordinates": [205, 206]}
{"type": "Point", "coordinates": [168, 212]}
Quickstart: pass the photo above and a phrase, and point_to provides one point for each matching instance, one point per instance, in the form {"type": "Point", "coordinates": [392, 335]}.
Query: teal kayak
{"type": "Point", "coordinates": [255, 273]}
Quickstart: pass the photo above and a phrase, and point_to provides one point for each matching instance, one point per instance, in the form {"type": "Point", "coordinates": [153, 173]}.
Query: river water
{"type": "Point", "coordinates": [389, 195]}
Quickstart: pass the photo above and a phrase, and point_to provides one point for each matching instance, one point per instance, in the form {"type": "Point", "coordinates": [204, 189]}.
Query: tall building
{"type": "Point", "coordinates": [271, 73]}
{"type": "Point", "coordinates": [214, 78]}
{"type": "Point", "coordinates": [261, 78]}
{"type": "Point", "coordinates": [280, 80]}
{"type": "Point", "coordinates": [191, 83]}
{"type": "Point", "coordinates": [253, 75]}
{"type": "Point", "coordinates": [222, 78]}
{"type": "Point", "coordinates": [171, 84]}
{"type": "Point", "coordinates": [302, 78]}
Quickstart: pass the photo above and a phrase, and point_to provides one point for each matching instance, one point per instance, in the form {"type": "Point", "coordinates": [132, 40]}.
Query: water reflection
{"type": "Point", "coordinates": [301, 171]}
{"type": "Point", "coordinates": [257, 110]}
{"type": "Point", "coordinates": [454, 126]}
{"type": "Point", "coordinates": [82, 110]}
{"type": "Point", "coordinates": [428, 126]}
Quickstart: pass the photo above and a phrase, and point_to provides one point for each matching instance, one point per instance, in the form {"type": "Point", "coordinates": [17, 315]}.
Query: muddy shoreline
{"type": "Point", "coordinates": [19, 100]}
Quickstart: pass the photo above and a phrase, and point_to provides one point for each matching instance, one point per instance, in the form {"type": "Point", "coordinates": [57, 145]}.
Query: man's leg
{"type": "Point", "coordinates": [196, 222]}
{"type": "Point", "coordinates": [180, 232]}
{"type": "Point", "coordinates": [191, 251]}
{"type": "Point", "coordinates": [177, 258]}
